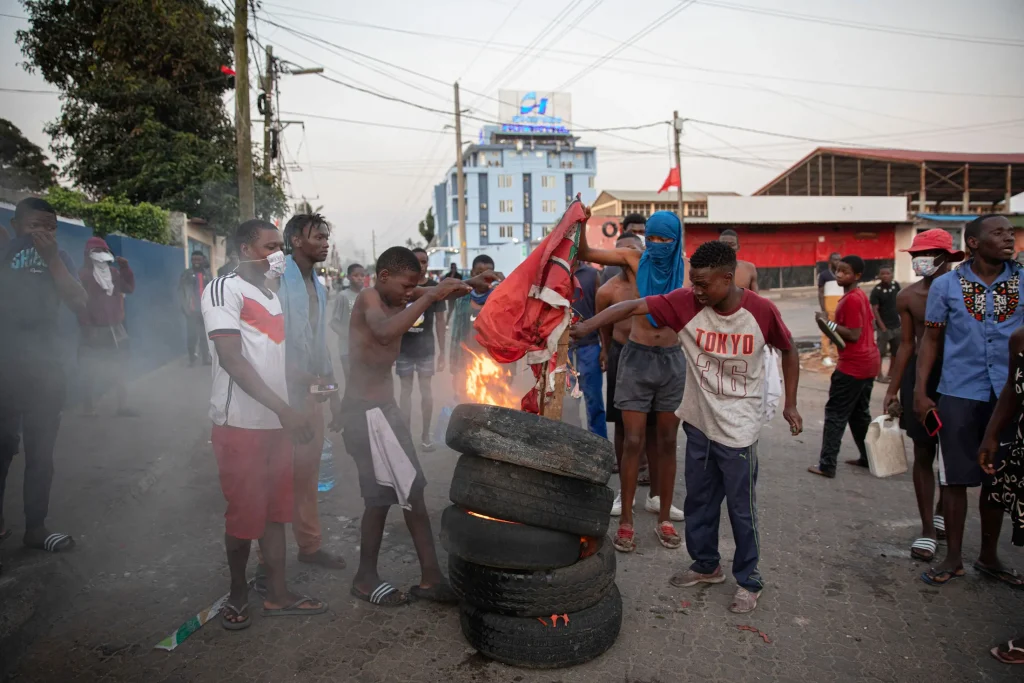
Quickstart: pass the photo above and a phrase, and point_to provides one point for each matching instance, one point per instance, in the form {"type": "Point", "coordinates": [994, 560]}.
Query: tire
{"type": "Point", "coordinates": [530, 440]}
{"type": "Point", "coordinates": [530, 643]}
{"type": "Point", "coordinates": [505, 545]}
{"type": "Point", "coordinates": [519, 494]}
{"type": "Point", "coordinates": [538, 593]}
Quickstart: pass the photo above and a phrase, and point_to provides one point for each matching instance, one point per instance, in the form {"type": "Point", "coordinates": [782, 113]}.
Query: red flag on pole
{"type": "Point", "coordinates": [671, 181]}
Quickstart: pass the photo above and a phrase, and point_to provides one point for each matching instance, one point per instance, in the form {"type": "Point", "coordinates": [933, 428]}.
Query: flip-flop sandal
{"type": "Point", "coordinates": [1006, 657]}
{"type": "Point", "coordinates": [668, 536]}
{"type": "Point", "coordinates": [936, 579]}
{"type": "Point", "coordinates": [643, 478]}
{"type": "Point", "coordinates": [1008, 576]}
{"type": "Point", "coordinates": [442, 593]}
{"type": "Point", "coordinates": [624, 542]}
{"type": "Point", "coordinates": [54, 543]}
{"type": "Point", "coordinates": [293, 610]}
{"type": "Point", "coordinates": [384, 595]}
{"type": "Point", "coordinates": [939, 522]}
{"type": "Point", "coordinates": [924, 549]}
{"type": "Point", "coordinates": [230, 610]}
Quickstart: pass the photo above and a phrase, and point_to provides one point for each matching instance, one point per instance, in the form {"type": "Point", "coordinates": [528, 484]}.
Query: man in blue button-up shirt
{"type": "Point", "coordinates": [977, 306]}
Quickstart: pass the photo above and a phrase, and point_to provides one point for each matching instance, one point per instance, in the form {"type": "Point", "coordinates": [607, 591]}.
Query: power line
{"type": "Point", "coordinates": [626, 43]}
{"type": "Point", "coordinates": [879, 28]}
{"type": "Point", "coordinates": [566, 55]}
{"type": "Point", "coordinates": [375, 124]}
{"type": "Point", "coordinates": [30, 92]}
{"type": "Point", "coordinates": [494, 35]}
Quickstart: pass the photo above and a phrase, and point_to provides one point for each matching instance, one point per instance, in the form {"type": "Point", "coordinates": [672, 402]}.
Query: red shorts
{"type": "Point", "coordinates": [255, 468]}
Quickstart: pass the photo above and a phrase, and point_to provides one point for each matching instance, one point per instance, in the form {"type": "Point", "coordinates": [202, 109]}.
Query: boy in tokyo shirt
{"type": "Point", "coordinates": [723, 331]}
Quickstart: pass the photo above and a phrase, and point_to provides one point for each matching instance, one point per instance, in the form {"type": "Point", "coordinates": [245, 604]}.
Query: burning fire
{"type": "Point", "coordinates": [493, 519]}
{"type": "Point", "coordinates": [488, 382]}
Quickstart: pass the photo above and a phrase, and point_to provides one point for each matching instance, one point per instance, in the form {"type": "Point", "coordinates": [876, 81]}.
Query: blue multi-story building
{"type": "Point", "coordinates": [519, 180]}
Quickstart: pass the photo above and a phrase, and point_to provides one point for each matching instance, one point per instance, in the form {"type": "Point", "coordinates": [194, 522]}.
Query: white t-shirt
{"type": "Point", "coordinates": [232, 306]}
{"type": "Point", "coordinates": [725, 372]}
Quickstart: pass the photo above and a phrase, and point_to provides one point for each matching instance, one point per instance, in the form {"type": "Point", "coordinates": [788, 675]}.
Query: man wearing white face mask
{"type": "Point", "coordinates": [932, 252]}
{"type": "Point", "coordinates": [103, 341]}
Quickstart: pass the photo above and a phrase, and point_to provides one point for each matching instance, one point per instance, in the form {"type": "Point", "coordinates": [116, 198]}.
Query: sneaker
{"type": "Point", "coordinates": [744, 601]}
{"type": "Point", "coordinates": [689, 577]}
{"type": "Point", "coordinates": [427, 446]}
{"type": "Point", "coordinates": [617, 505]}
{"type": "Point", "coordinates": [653, 504]}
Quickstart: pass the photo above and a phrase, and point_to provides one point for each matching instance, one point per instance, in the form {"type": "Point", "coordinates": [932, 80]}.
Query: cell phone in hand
{"type": "Point", "coordinates": [932, 423]}
{"type": "Point", "coordinates": [323, 388]}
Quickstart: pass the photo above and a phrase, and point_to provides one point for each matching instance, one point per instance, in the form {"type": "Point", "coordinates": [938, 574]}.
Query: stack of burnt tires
{"type": "Point", "coordinates": [527, 553]}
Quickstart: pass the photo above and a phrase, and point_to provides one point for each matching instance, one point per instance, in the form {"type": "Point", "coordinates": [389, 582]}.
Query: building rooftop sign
{"type": "Point", "coordinates": [533, 112]}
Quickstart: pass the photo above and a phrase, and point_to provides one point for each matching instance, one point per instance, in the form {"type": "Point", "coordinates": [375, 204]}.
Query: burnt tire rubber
{"type": "Point", "coordinates": [527, 496]}
{"type": "Point", "coordinates": [505, 545]}
{"type": "Point", "coordinates": [537, 593]}
{"type": "Point", "coordinates": [530, 440]}
{"type": "Point", "coordinates": [537, 643]}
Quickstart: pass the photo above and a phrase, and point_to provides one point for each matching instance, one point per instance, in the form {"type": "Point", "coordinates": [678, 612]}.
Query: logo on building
{"type": "Point", "coordinates": [530, 104]}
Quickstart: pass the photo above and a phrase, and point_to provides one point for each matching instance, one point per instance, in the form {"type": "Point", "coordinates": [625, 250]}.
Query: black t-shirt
{"type": "Point", "coordinates": [825, 276]}
{"type": "Point", "coordinates": [584, 301]}
{"type": "Point", "coordinates": [418, 342]}
{"type": "Point", "coordinates": [29, 304]}
{"type": "Point", "coordinates": [885, 298]}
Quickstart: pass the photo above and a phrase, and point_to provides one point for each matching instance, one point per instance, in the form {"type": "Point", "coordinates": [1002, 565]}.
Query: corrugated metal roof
{"type": "Point", "coordinates": [916, 156]}
{"type": "Point", "coordinates": [667, 196]}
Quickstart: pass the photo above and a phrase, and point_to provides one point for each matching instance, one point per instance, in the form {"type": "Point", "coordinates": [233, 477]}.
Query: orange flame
{"type": "Point", "coordinates": [493, 519]}
{"type": "Point", "coordinates": [487, 382]}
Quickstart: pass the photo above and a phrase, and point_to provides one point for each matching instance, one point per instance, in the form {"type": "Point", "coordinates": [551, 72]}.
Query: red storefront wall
{"type": "Point", "coordinates": [778, 245]}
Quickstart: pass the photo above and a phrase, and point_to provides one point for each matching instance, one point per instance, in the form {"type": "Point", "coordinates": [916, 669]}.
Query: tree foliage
{"type": "Point", "coordinates": [427, 226]}
{"type": "Point", "coordinates": [142, 113]}
{"type": "Point", "coordinates": [23, 166]}
{"type": "Point", "coordinates": [109, 215]}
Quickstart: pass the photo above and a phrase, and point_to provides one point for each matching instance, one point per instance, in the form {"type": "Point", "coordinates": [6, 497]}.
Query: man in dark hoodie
{"type": "Point", "coordinates": [103, 340]}
{"type": "Point", "coordinates": [190, 294]}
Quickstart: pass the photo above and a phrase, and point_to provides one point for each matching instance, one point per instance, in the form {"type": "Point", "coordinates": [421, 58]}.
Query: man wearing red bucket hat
{"type": "Point", "coordinates": [932, 251]}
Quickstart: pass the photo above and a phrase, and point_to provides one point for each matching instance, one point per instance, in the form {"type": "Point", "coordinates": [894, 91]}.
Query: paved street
{"type": "Point", "coordinates": [843, 601]}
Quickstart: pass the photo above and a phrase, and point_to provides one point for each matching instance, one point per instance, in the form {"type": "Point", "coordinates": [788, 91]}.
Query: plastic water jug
{"type": "Point", "coordinates": [886, 453]}
{"type": "Point", "coordinates": [326, 480]}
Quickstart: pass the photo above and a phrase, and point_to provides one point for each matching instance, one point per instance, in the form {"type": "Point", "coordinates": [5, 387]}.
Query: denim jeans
{"type": "Point", "coordinates": [587, 362]}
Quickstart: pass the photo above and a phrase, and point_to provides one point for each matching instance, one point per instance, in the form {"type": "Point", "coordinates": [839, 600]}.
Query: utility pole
{"type": "Point", "coordinates": [243, 133]}
{"type": "Point", "coordinates": [677, 127]}
{"type": "Point", "coordinates": [268, 87]}
{"type": "Point", "coordinates": [373, 243]}
{"type": "Point", "coordinates": [461, 181]}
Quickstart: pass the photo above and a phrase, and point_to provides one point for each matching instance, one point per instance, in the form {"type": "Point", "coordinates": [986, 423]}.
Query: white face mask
{"type": "Point", "coordinates": [275, 261]}
{"type": "Point", "coordinates": [102, 257]}
{"type": "Point", "coordinates": [924, 266]}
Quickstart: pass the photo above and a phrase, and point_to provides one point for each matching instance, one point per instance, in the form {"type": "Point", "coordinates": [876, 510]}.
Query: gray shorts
{"type": "Point", "coordinates": [356, 436]}
{"type": "Point", "coordinates": [406, 366]}
{"type": "Point", "coordinates": [650, 378]}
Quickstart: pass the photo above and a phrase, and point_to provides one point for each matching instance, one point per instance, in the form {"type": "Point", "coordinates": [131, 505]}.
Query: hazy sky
{"type": "Point", "coordinates": [936, 72]}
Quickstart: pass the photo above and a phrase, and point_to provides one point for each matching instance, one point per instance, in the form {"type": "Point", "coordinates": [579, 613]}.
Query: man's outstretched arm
{"type": "Point", "coordinates": [609, 316]}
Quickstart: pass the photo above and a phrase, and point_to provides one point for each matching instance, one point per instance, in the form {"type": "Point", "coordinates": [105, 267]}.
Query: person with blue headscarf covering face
{"type": "Point", "coordinates": [651, 377]}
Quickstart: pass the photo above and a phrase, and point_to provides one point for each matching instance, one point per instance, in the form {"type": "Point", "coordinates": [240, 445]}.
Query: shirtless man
{"type": "Point", "coordinates": [746, 272]}
{"type": "Point", "coordinates": [932, 252]}
{"type": "Point", "coordinates": [380, 317]}
{"type": "Point", "coordinates": [652, 371]}
{"type": "Point", "coordinates": [622, 287]}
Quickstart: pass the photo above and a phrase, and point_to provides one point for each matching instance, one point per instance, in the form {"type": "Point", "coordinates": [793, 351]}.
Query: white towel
{"type": "Point", "coordinates": [391, 466]}
{"type": "Point", "coordinates": [772, 383]}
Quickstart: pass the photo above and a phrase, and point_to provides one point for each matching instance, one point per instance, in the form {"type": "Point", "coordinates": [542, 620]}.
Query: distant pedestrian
{"type": "Point", "coordinates": [463, 316]}
{"type": "Point", "coordinates": [585, 354]}
{"type": "Point", "coordinates": [887, 319]}
{"type": "Point", "coordinates": [829, 294]}
{"type": "Point", "coordinates": [932, 252]}
{"type": "Point", "coordinates": [849, 395]}
{"type": "Point", "coordinates": [232, 258]}
{"type": "Point", "coordinates": [356, 275]}
{"type": "Point", "coordinates": [416, 359]}
{"type": "Point", "coordinates": [190, 294]}
{"type": "Point", "coordinates": [253, 425]}
{"type": "Point", "coordinates": [972, 311]}
{"type": "Point", "coordinates": [36, 276]}
{"type": "Point", "coordinates": [103, 349]}
{"type": "Point", "coordinates": [746, 272]}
